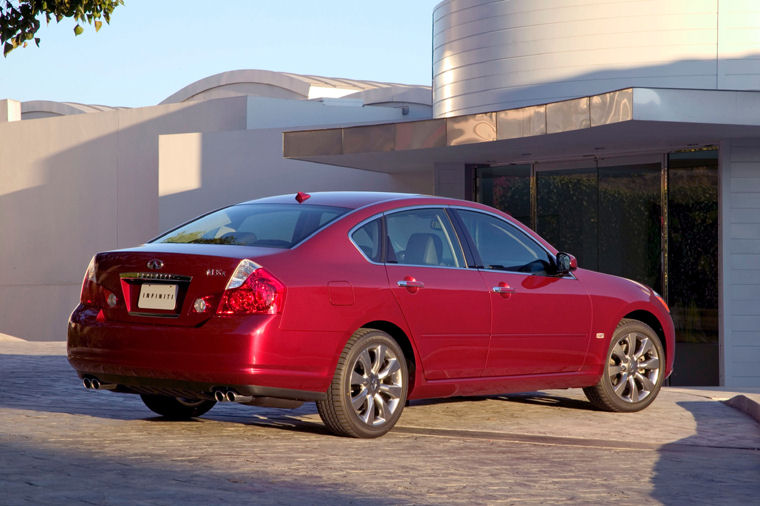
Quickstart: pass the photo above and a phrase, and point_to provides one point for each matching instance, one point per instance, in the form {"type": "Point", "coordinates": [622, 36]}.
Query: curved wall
{"type": "Point", "coordinates": [499, 54]}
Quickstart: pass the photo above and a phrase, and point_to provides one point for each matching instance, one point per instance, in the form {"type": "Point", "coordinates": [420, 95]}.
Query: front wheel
{"type": "Point", "coordinates": [369, 389]}
{"type": "Point", "coordinates": [632, 374]}
{"type": "Point", "coordinates": [176, 408]}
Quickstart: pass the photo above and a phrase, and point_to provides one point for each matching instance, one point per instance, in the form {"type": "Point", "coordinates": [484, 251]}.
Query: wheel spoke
{"type": "Point", "coordinates": [369, 415]}
{"type": "Point", "coordinates": [618, 353]}
{"type": "Point", "coordinates": [645, 348]}
{"type": "Point", "coordinates": [646, 383]}
{"type": "Point", "coordinates": [614, 370]}
{"type": "Point", "coordinates": [634, 388]}
{"type": "Point", "coordinates": [357, 379]}
{"type": "Point", "coordinates": [392, 391]}
{"type": "Point", "coordinates": [366, 361]}
{"type": "Point", "coordinates": [630, 341]}
{"type": "Point", "coordinates": [620, 387]}
{"type": "Point", "coordinates": [380, 352]}
{"type": "Point", "coordinates": [650, 364]}
{"type": "Point", "coordinates": [392, 367]}
{"type": "Point", "coordinates": [382, 411]}
{"type": "Point", "coordinates": [358, 400]}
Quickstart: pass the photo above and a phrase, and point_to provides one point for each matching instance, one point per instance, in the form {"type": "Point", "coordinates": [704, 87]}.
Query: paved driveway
{"type": "Point", "coordinates": [60, 444]}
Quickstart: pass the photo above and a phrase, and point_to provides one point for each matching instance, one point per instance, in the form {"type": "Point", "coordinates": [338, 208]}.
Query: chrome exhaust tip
{"type": "Point", "coordinates": [87, 382]}
{"type": "Point", "coordinates": [220, 396]}
{"type": "Point", "coordinates": [233, 396]}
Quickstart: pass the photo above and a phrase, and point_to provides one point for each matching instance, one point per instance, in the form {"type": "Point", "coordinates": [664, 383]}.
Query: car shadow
{"type": "Point", "coordinates": [532, 398]}
{"type": "Point", "coordinates": [707, 469]}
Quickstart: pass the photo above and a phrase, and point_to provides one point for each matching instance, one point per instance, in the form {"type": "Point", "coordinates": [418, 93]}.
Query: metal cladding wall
{"type": "Point", "coordinates": [499, 54]}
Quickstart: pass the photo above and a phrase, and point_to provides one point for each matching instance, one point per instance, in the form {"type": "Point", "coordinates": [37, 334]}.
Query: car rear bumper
{"type": "Point", "coordinates": [250, 355]}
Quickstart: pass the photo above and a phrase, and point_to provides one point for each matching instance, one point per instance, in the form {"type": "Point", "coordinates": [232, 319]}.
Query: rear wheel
{"type": "Point", "coordinates": [632, 374]}
{"type": "Point", "coordinates": [176, 408]}
{"type": "Point", "coordinates": [369, 389]}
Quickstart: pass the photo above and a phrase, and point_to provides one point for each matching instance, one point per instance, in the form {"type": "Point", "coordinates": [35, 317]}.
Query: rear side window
{"type": "Point", "coordinates": [268, 225]}
{"type": "Point", "coordinates": [369, 240]}
{"type": "Point", "coordinates": [423, 237]}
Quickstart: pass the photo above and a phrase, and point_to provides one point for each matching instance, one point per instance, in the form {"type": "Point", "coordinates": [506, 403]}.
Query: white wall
{"type": "Point", "coordinates": [71, 186]}
{"type": "Point", "coordinates": [740, 262]}
{"type": "Point", "coordinates": [202, 172]}
{"type": "Point", "coordinates": [74, 185]}
{"type": "Point", "coordinates": [491, 55]}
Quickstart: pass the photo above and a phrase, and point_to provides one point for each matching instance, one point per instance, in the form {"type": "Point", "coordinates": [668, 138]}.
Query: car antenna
{"type": "Point", "coordinates": [301, 196]}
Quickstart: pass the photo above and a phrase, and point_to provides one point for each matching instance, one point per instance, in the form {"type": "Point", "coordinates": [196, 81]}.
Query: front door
{"type": "Point", "coordinates": [540, 322]}
{"type": "Point", "coordinates": [445, 304]}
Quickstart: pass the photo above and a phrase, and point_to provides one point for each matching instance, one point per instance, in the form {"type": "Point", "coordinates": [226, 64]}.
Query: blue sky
{"type": "Point", "coordinates": [153, 48]}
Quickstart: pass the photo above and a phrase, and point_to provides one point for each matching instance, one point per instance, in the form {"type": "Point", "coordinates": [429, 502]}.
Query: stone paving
{"type": "Point", "coordinates": [62, 444]}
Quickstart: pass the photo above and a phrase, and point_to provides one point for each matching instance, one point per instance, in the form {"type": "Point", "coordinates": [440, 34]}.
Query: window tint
{"type": "Point", "coordinates": [423, 237]}
{"type": "Point", "coordinates": [368, 239]}
{"type": "Point", "coordinates": [270, 225]}
{"type": "Point", "coordinates": [503, 246]}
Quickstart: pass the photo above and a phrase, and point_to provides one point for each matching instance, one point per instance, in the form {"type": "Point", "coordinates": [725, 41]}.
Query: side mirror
{"type": "Point", "coordinates": [566, 263]}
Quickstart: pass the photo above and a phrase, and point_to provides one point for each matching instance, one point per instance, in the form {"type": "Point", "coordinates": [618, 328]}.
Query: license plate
{"type": "Point", "coordinates": [157, 297]}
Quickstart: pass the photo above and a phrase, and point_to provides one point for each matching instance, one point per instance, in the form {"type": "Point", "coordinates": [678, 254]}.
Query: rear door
{"type": "Point", "coordinates": [540, 322]}
{"type": "Point", "coordinates": [444, 303]}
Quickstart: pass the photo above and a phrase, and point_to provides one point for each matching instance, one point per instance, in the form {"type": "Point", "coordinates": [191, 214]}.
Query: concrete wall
{"type": "Point", "coordinates": [74, 185]}
{"type": "Point", "coordinates": [71, 186]}
{"type": "Point", "coordinates": [740, 262]}
{"type": "Point", "coordinates": [202, 172]}
{"type": "Point", "coordinates": [491, 55]}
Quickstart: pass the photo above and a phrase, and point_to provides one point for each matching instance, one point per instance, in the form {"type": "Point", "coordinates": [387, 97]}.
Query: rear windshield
{"type": "Point", "coordinates": [268, 225]}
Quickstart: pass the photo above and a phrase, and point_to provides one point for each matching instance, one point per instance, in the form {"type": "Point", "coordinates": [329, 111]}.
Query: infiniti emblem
{"type": "Point", "coordinates": [155, 264]}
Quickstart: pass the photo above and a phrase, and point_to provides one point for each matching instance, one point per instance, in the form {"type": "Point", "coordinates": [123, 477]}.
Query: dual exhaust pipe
{"type": "Point", "coordinates": [92, 383]}
{"type": "Point", "coordinates": [231, 396]}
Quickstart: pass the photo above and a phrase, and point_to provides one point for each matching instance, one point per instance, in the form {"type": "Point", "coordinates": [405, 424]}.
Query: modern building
{"type": "Point", "coordinates": [626, 132]}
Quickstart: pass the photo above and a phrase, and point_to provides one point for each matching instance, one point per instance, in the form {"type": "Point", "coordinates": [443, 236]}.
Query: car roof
{"type": "Point", "coordinates": [348, 199]}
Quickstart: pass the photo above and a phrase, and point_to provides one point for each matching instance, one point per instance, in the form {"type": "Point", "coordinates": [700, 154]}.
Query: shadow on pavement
{"type": "Point", "coordinates": [678, 475]}
{"type": "Point", "coordinates": [38, 475]}
{"type": "Point", "coordinates": [533, 398]}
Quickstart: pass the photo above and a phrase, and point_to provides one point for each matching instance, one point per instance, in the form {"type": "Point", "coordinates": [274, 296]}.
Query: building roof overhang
{"type": "Point", "coordinates": [631, 120]}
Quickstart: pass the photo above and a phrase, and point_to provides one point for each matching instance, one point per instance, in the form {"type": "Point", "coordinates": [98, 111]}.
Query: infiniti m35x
{"type": "Point", "coordinates": [360, 301]}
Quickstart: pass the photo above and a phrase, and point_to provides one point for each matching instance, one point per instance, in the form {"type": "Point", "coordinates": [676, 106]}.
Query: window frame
{"type": "Point", "coordinates": [478, 261]}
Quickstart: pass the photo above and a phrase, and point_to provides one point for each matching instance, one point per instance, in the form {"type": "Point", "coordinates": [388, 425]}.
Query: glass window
{"type": "Point", "coordinates": [368, 239]}
{"type": "Point", "coordinates": [567, 212]}
{"type": "Point", "coordinates": [506, 188]}
{"type": "Point", "coordinates": [503, 246]}
{"type": "Point", "coordinates": [269, 225]}
{"type": "Point", "coordinates": [423, 237]}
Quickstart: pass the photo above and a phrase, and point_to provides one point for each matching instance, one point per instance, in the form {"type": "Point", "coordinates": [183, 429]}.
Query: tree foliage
{"type": "Point", "coordinates": [20, 19]}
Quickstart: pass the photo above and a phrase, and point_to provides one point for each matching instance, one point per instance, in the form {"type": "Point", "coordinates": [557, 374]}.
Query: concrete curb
{"type": "Point", "coordinates": [745, 405]}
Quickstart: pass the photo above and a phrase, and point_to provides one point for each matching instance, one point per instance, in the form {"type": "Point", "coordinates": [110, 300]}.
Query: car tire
{"type": "Point", "coordinates": [368, 391]}
{"type": "Point", "coordinates": [176, 408]}
{"type": "Point", "coordinates": [623, 387]}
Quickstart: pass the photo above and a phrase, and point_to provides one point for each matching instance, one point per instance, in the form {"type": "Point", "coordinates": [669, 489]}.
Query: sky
{"type": "Point", "coordinates": [151, 49]}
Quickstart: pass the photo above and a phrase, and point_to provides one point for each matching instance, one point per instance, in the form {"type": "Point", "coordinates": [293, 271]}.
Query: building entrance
{"type": "Point", "coordinates": [651, 219]}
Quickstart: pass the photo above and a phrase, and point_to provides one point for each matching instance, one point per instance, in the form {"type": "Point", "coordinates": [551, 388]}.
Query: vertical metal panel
{"type": "Point", "coordinates": [567, 115]}
{"type": "Point", "coordinates": [523, 122]}
{"type": "Point", "coordinates": [369, 139]}
{"type": "Point", "coordinates": [494, 55]}
{"type": "Point", "coordinates": [471, 128]}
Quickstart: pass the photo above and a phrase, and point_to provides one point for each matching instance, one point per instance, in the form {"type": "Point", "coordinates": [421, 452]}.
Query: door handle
{"type": "Point", "coordinates": [407, 283]}
{"type": "Point", "coordinates": [503, 289]}
{"type": "Point", "coordinates": [410, 284]}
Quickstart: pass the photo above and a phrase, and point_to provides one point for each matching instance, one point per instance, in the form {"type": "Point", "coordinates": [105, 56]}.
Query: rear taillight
{"type": "Point", "coordinates": [252, 290]}
{"type": "Point", "coordinates": [94, 294]}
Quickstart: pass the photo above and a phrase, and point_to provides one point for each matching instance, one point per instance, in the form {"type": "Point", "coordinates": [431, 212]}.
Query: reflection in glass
{"type": "Point", "coordinates": [567, 212]}
{"type": "Point", "coordinates": [506, 188]}
{"type": "Point", "coordinates": [630, 222]}
{"type": "Point", "coordinates": [693, 263]}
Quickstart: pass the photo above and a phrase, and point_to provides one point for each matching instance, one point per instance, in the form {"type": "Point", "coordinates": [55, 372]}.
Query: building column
{"type": "Point", "coordinates": [10, 110]}
{"type": "Point", "coordinates": [739, 262]}
{"type": "Point", "coordinates": [450, 180]}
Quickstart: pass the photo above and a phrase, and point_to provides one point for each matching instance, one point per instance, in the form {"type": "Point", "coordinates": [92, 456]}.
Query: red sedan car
{"type": "Point", "coordinates": [360, 301]}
